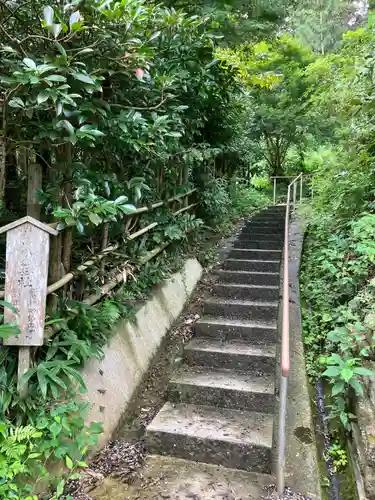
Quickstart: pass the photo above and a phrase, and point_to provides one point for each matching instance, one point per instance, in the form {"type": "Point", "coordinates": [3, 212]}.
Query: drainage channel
{"type": "Point", "coordinates": [337, 484]}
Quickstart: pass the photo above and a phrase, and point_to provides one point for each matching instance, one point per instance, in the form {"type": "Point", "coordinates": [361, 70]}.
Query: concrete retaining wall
{"type": "Point", "coordinates": [301, 469]}
{"type": "Point", "coordinates": [112, 381]}
{"type": "Point", "coordinates": [363, 434]}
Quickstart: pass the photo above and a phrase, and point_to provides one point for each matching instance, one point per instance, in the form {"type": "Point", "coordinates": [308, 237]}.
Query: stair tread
{"type": "Point", "coordinates": [245, 286]}
{"type": "Point", "coordinates": [235, 271]}
{"type": "Point", "coordinates": [267, 273]}
{"type": "Point", "coordinates": [259, 250]}
{"type": "Point", "coordinates": [241, 302]}
{"type": "Point", "coordinates": [254, 260]}
{"type": "Point", "coordinates": [279, 225]}
{"type": "Point", "coordinates": [218, 424]}
{"type": "Point", "coordinates": [231, 347]}
{"type": "Point", "coordinates": [237, 322]}
{"type": "Point", "coordinates": [184, 479]}
{"type": "Point", "coordinates": [262, 234]}
{"type": "Point", "coordinates": [225, 379]}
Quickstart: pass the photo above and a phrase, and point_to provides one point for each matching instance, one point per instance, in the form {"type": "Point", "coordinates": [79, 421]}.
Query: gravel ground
{"type": "Point", "coordinates": [288, 495]}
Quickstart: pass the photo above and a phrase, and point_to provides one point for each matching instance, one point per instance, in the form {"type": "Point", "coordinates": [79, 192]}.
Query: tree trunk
{"type": "Point", "coordinates": [67, 155]}
{"type": "Point", "coordinates": [34, 183]}
{"type": "Point", "coordinates": [2, 151]}
{"type": "Point", "coordinates": [278, 164]}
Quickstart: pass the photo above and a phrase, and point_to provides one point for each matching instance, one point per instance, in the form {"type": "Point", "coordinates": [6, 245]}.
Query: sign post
{"type": "Point", "coordinates": [26, 274]}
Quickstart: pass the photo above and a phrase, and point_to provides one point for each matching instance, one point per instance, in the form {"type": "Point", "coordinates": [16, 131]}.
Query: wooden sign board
{"type": "Point", "coordinates": [26, 274]}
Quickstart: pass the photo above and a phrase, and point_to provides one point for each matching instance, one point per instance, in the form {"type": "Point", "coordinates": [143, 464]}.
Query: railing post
{"type": "Point", "coordinates": [280, 475]}
{"type": "Point", "coordinates": [285, 357]}
{"type": "Point", "coordinates": [274, 190]}
{"type": "Point", "coordinates": [301, 189]}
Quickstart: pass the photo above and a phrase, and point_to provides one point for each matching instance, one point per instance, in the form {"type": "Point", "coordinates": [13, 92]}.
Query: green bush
{"type": "Point", "coordinates": [247, 199]}
{"type": "Point", "coordinates": [216, 203]}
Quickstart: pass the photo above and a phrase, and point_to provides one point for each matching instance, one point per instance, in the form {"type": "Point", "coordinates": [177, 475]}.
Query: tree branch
{"type": "Point", "coordinates": [136, 108]}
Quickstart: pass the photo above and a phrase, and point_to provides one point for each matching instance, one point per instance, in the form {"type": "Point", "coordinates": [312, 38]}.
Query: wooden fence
{"type": "Point", "coordinates": [134, 226]}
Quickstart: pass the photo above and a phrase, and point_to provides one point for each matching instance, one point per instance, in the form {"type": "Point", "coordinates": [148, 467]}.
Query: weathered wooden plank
{"type": "Point", "coordinates": [31, 220]}
{"type": "Point", "coordinates": [26, 282]}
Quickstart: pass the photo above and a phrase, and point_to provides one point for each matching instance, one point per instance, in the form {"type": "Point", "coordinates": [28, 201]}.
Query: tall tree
{"type": "Point", "coordinates": [274, 73]}
{"type": "Point", "coordinates": [320, 24]}
{"type": "Point", "coordinates": [239, 21]}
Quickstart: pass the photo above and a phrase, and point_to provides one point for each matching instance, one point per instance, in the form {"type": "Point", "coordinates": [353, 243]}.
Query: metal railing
{"type": "Point", "coordinates": [279, 183]}
{"type": "Point", "coordinates": [292, 199]}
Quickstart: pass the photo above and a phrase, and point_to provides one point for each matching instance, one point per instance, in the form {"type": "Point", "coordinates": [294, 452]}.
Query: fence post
{"type": "Point", "coordinates": [301, 189]}
{"type": "Point", "coordinates": [274, 190]}
{"type": "Point", "coordinates": [185, 179]}
{"type": "Point", "coordinates": [294, 195]}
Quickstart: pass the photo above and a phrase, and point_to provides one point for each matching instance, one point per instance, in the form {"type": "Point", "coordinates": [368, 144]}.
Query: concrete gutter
{"type": "Point", "coordinates": [301, 464]}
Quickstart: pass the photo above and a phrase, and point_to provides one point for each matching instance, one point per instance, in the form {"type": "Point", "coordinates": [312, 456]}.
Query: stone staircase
{"type": "Point", "coordinates": [221, 403]}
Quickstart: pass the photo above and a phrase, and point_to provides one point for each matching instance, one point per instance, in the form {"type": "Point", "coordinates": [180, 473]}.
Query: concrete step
{"type": "Point", "coordinates": [234, 355]}
{"type": "Point", "coordinates": [226, 329]}
{"type": "Point", "coordinates": [231, 438]}
{"type": "Point", "coordinates": [241, 309]}
{"type": "Point", "coordinates": [255, 254]}
{"type": "Point", "coordinates": [268, 235]}
{"type": "Point", "coordinates": [223, 388]}
{"type": "Point", "coordinates": [270, 223]}
{"type": "Point", "coordinates": [248, 278]}
{"type": "Point", "coordinates": [273, 222]}
{"type": "Point", "coordinates": [268, 216]}
{"type": "Point", "coordinates": [267, 266]}
{"type": "Point", "coordinates": [172, 478]}
{"type": "Point", "coordinates": [271, 208]}
{"type": "Point", "coordinates": [269, 213]}
{"type": "Point", "coordinates": [246, 292]}
{"type": "Point", "coordinates": [262, 243]}
{"type": "Point", "coordinates": [262, 229]}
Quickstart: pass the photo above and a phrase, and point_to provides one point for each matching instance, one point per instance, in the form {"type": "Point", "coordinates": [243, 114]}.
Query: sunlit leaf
{"type": "Point", "coordinates": [16, 102]}
{"type": "Point", "coordinates": [55, 78]}
{"type": "Point", "coordinates": [42, 96]}
{"type": "Point", "coordinates": [74, 18]}
{"type": "Point", "coordinates": [48, 15]}
{"type": "Point", "coordinates": [154, 35]}
{"type": "Point", "coordinates": [83, 78]}
{"type": "Point", "coordinates": [94, 218]}
{"type": "Point", "coordinates": [29, 63]}
{"type": "Point", "coordinates": [56, 30]}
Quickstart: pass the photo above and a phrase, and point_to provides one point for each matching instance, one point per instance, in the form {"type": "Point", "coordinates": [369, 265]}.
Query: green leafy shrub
{"type": "Point", "coordinates": [247, 199]}
{"type": "Point", "coordinates": [339, 298]}
{"type": "Point", "coordinates": [216, 203]}
{"type": "Point", "coordinates": [28, 452]}
{"type": "Point", "coordinates": [260, 182]}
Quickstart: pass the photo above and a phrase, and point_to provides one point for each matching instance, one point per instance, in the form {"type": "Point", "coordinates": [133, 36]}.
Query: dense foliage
{"type": "Point", "coordinates": [119, 104]}
{"type": "Point", "coordinates": [319, 24]}
{"type": "Point", "coordinates": [338, 267]}
{"type": "Point", "coordinates": [107, 106]}
{"type": "Point", "coordinates": [274, 74]}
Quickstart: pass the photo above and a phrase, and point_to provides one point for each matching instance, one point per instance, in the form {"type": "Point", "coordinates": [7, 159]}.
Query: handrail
{"type": "Point", "coordinates": [285, 356]}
